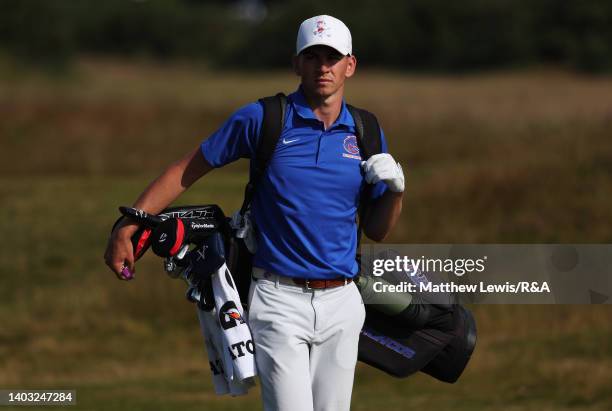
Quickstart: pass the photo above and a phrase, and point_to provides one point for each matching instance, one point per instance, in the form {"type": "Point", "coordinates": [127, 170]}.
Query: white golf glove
{"type": "Point", "coordinates": [382, 167]}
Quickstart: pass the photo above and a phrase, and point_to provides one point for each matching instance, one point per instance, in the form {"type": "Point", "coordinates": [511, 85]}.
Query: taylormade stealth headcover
{"type": "Point", "coordinates": [168, 237]}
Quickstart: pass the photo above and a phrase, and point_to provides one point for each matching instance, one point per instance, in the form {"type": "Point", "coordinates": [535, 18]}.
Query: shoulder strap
{"type": "Point", "coordinates": [274, 108]}
{"type": "Point", "coordinates": [368, 132]}
{"type": "Point", "coordinates": [369, 141]}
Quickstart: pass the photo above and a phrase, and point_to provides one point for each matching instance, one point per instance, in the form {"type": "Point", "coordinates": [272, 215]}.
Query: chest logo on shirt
{"type": "Point", "coordinates": [351, 148]}
{"type": "Point", "coordinates": [293, 140]}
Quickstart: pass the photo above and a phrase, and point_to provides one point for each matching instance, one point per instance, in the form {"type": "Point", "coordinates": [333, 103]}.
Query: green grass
{"type": "Point", "coordinates": [505, 157]}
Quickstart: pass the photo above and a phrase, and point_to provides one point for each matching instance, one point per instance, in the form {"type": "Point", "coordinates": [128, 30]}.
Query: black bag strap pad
{"type": "Point", "coordinates": [369, 140]}
{"type": "Point", "coordinates": [368, 132]}
{"type": "Point", "coordinates": [274, 108]}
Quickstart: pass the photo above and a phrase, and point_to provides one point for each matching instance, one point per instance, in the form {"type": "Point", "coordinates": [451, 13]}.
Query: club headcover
{"type": "Point", "coordinates": [198, 222]}
{"type": "Point", "coordinates": [168, 237]}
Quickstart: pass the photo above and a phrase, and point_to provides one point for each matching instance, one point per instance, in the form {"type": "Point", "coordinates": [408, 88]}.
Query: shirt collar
{"type": "Point", "coordinates": [298, 100]}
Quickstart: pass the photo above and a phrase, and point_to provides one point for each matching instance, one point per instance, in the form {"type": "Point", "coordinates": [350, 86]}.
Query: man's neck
{"type": "Point", "coordinates": [327, 109]}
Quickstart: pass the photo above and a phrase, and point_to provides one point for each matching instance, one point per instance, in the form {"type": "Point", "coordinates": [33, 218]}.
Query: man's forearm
{"type": "Point", "coordinates": [172, 182]}
{"type": "Point", "coordinates": [383, 215]}
{"type": "Point", "coordinates": [162, 191]}
{"type": "Point", "coordinates": [119, 253]}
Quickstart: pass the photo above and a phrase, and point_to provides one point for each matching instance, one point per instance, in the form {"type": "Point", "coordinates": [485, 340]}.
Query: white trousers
{"type": "Point", "coordinates": [305, 344]}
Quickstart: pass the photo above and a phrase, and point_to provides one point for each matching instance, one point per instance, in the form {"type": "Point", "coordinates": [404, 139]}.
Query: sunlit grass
{"type": "Point", "coordinates": [504, 157]}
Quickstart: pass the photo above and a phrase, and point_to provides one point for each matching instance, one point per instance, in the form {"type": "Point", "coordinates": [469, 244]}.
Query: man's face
{"type": "Point", "coordinates": [323, 70]}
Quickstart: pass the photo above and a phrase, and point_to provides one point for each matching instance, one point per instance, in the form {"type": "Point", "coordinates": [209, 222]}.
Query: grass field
{"type": "Point", "coordinates": [502, 157]}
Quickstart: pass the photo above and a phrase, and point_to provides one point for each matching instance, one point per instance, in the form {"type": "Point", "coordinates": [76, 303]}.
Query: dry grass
{"type": "Point", "coordinates": [504, 157]}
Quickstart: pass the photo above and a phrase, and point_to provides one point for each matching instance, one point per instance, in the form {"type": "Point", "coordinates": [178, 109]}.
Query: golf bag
{"type": "Point", "coordinates": [435, 337]}
{"type": "Point", "coordinates": [193, 240]}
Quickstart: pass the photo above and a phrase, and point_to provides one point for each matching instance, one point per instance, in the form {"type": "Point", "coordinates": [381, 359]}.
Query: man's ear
{"type": "Point", "coordinates": [296, 65]}
{"type": "Point", "coordinates": [351, 66]}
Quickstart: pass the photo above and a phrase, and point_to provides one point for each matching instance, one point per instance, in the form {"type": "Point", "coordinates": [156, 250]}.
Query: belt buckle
{"type": "Point", "coordinates": [307, 284]}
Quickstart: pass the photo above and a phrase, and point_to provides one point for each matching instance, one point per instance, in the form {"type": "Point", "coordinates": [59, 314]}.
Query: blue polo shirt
{"type": "Point", "coordinates": [305, 206]}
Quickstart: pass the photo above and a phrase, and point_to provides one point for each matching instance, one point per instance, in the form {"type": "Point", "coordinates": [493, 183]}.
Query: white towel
{"type": "Point", "coordinates": [211, 331]}
{"type": "Point", "coordinates": [228, 340]}
{"type": "Point", "coordinates": [237, 337]}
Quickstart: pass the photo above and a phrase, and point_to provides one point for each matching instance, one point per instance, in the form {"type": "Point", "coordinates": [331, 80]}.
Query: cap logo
{"type": "Point", "coordinates": [321, 29]}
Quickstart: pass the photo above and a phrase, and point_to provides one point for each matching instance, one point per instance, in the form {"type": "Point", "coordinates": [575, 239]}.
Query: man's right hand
{"type": "Point", "coordinates": [119, 251]}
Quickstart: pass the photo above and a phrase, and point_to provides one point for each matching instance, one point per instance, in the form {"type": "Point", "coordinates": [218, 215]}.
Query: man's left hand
{"type": "Point", "coordinates": [382, 167]}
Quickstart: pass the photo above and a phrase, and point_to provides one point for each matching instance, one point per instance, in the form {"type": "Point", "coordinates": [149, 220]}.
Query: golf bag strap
{"type": "Point", "coordinates": [368, 132]}
{"type": "Point", "coordinates": [369, 141]}
{"type": "Point", "coordinates": [274, 108]}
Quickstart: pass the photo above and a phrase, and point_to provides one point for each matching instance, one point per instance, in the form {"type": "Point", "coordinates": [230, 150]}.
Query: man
{"type": "Point", "coordinates": [305, 313]}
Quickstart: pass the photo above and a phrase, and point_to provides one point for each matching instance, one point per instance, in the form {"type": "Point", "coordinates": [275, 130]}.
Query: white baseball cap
{"type": "Point", "coordinates": [326, 31]}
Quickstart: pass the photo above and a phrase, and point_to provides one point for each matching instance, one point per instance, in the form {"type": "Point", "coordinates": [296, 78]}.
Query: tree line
{"type": "Point", "coordinates": [428, 35]}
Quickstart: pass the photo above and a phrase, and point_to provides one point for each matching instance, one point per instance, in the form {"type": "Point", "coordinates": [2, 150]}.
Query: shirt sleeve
{"type": "Point", "coordinates": [236, 138]}
{"type": "Point", "coordinates": [379, 188]}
